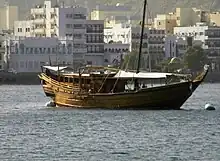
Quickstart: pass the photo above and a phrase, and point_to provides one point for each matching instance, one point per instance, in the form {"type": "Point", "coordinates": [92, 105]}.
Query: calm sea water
{"type": "Point", "coordinates": [31, 131]}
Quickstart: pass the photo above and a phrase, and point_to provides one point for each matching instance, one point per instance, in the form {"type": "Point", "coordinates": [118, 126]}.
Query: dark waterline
{"type": "Point", "coordinates": [31, 131]}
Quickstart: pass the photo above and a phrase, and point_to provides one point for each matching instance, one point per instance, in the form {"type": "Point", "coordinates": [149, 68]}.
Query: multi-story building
{"type": "Point", "coordinates": [118, 33]}
{"type": "Point", "coordinates": [208, 35]}
{"type": "Point", "coordinates": [114, 53]}
{"type": "Point", "coordinates": [214, 18]}
{"type": "Point", "coordinates": [95, 42]}
{"type": "Point", "coordinates": [52, 21]}
{"type": "Point", "coordinates": [112, 14]}
{"type": "Point", "coordinates": [177, 47]}
{"type": "Point", "coordinates": [166, 22]}
{"type": "Point", "coordinates": [153, 40]}
{"type": "Point", "coordinates": [84, 38]}
{"type": "Point", "coordinates": [197, 32]}
{"type": "Point", "coordinates": [8, 15]}
{"type": "Point", "coordinates": [30, 53]}
{"type": "Point", "coordinates": [182, 17]}
{"type": "Point", "coordinates": [170, 46]}
{"type": "Point", "coordinates": [191, 16]}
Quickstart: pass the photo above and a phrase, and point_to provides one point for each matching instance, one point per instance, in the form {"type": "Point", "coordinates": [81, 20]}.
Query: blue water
{"type": "Point", "coordinates": [31, 131]}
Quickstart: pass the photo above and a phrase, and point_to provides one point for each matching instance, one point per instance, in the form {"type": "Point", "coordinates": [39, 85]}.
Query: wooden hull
{"type": "Point", "coordinates": [49, 83]}
{"type": "Point", "coordinates": [164, 97]}
{"type": "Point", "coordinates": [171, 96]}
{"type": "Point", "coordinates": [48, 91]}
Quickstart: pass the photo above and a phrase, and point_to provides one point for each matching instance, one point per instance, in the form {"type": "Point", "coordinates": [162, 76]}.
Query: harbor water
{"type": "Point", "coordinates": [31, 131]}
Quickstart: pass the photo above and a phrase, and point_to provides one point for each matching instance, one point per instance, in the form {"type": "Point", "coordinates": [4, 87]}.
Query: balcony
{"type": "Point", "coordinates": [212, 44]}
{"type": "Point", "coordinates": [78, 55]}
{"type": "Point", "coordinates": [213, 33]}
{"type": "Point", "coordinates": [38, 10]}
{"type": "Point", "coordinates": [95, 41]}
{"type": "Point", "coordinates": [79, 40]}
{"type": "Point", "coordinates": [39, 21]}
{"type": "Point", "coordinates": [79, 50]}
{"type": "Point", "coordinates": [137, 36]}
{"type": "Point", "coordinates": [78, 16]}
{"type": "Point", "coordinates": [39, 30]}
{"type": "Point", "coordinates": [92, 31]}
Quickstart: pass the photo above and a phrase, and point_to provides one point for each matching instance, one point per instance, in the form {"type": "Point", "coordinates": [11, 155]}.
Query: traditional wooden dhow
{"type": "Point", "coordinates": [167, 96]}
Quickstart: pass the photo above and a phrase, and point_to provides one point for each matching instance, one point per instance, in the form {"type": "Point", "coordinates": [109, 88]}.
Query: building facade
{"type": "Point", "coordinates": [197, 32]}
{"type": "Point", "coordinates": [2, 51]}
{"type": "Point", "coordinates": [209, 37]}
{"type": "Point", "coordinates": [166, 22]}
{"type": "Point", "coordinates": [191, 16]}
{"type": "Point", "coordinates": [112, 14]}
{"type": "Point", "coordinates": [8, 15]}
{"type": "Point", "coordinates": [114, 53]}
{"type": "Point", "coordinates": [81, 38]}
{"type": "Point", "coordinates": [52, 21]}
{"type": "Point", "coordinates": [30, 53]}
{"type": "Point", "coordinates": [153, 40]}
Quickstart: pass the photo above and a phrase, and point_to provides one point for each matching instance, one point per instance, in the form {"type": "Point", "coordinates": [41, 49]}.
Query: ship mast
{"type": "Point", "coordinates": [141, 38]}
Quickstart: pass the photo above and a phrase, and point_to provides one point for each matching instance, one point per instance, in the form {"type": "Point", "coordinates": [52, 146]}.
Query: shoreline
{"type": "Point", "coordinates": [32, 78]}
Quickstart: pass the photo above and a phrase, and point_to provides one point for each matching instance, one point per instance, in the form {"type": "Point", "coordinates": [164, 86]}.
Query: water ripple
{"type": "Point", "coordinates": [30, 131]}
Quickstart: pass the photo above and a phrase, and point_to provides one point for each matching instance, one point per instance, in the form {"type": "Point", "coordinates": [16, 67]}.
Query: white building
{"type": "Point", "coordinates": [30, 53]}
{"type": "Point", "coordinates": [82, 39]}
{"type": "Point", "coordinates": [197, 32]}
{"type": "Point", "coordinates": [131, 35]}
{"type": "Point", "coordinates": [112, 14]}
{"type": "Point", "coordinates": [208, 35]}
{"type": "Point", "coordinates": [52, 21]}
{"type": "Point", "coordinates": [114, 53]}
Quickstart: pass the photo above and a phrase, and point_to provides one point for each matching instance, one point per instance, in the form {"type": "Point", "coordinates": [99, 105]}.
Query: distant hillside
{"type": "Point", "coordinates": [156, 6]}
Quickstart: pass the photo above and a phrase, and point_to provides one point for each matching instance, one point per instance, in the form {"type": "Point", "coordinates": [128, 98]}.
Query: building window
{"type": "Point", "coordinates": [78, 26]}
{"type": "Point", "coordinates": [21, 64]}
{"type": "Point", "coordinates": [69, 48]}
{"type": "Point", "coordinates": [68, 25]}
{"type": "Point", "coordinates": [27, 50]}
{"type": "Point", "coordinates": [159, 23]}
{"type": "Point", "coordinates": [31, 51]}
{"type": "Point", "coordinates": [27, 29]}
{"type": "Point", "coordinates": [19, 29]}
{"type": "Point", "coordinates": [22, 47]}
{"type": "Point", "coordinates": [79, 16]}
{"type": "Point", "coordinates": [36, 64]}
{"type": "Point", "coordinates": [41, 51]}
{"type": "Point", "coordinates": [30, 64]}
{"type": "Point", "coordinates": [53, 51]}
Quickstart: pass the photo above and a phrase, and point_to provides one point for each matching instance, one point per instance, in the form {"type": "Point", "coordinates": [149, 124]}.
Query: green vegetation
{"type": "Point", "coordinates": [195, 58]}
{"type": "Point", "coordinates": [170, 65]}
